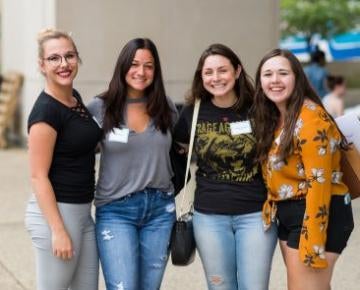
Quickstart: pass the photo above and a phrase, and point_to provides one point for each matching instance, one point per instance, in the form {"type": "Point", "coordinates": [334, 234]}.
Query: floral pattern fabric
{"type": "Point", "coordinates": [312, 172]}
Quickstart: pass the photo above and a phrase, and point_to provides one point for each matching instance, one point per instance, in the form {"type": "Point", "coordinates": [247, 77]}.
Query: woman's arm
{"type": "Point", "coordinates": [316, 152]}
{"type": "Point", "coordinates": [182, 127]}
{"type": "Point", "coordinates": [42, 139]}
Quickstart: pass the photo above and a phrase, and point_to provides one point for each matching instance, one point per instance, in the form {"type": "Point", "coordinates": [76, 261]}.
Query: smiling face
{"type": "Point", "coordinates": [219, 76]}
{"type": "Point", "coordinates": [277, 80]}
{"type": "Point", "coordinates": [141, 73]}
{"type": "Point", "coordinates": [59, 73]}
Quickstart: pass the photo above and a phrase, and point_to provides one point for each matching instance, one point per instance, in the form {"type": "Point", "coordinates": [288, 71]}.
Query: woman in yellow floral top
{"type": "Point", "coordinates": [299, 147]}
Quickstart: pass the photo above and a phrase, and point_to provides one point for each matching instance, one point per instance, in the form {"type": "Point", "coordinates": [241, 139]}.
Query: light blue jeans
{"type": "Point", "coordinates": [133, 235]}
{"type": "Point", "coordinates": [235, 251]}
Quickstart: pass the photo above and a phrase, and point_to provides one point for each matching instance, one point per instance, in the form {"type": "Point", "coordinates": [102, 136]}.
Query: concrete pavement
{"type": "Point", "coordinates": [17, 267]}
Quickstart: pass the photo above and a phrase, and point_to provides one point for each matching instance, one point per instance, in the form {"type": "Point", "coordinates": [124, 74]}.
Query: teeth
{"type": "Point", "coordinates": [64, 74]}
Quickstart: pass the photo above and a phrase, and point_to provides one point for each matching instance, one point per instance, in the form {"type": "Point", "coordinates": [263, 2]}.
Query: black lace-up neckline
{"type": "Point", "coordinates": [80, 110]}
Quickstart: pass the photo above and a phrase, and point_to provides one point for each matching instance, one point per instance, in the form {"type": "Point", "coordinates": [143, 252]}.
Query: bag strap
{"type": "Point", "coordinates": [191, 145]}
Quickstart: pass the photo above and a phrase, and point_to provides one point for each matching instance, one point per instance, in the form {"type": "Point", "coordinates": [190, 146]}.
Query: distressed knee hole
{"type": "Point", "coordinates": [216, 280]}
{"type": "Point", "coordinates": [106, 234]}
{"type": "Point", "coordinates": [157, 266]}
{"type": "Point", "coordinates": [170, 207]}
{"type": "Point", "coordinates": [163, 260]}
{"type": "Point", "coordinates": [120, 286]}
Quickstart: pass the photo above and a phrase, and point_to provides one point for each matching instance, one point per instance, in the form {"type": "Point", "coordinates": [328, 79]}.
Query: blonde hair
{"type": "Point", "coordinates": [51, 33]}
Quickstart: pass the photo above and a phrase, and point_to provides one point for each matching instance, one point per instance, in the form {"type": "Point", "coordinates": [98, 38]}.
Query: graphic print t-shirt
{"type": "Point", "coordinates": [227, 180]}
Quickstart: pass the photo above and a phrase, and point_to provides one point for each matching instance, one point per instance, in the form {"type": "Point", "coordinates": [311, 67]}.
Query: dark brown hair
{"type": "Point", "coordinates": [243, 87]}
{"type": "Point", "coordinates": [116, 94]}
{"type": "Point", "coordinates": [333, 81]}
{"type": "Point", "coordinates": [266, 114]}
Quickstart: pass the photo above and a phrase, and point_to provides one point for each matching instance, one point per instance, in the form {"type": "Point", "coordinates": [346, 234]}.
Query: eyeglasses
{"type": "Point", "coordinates": [56, 59]}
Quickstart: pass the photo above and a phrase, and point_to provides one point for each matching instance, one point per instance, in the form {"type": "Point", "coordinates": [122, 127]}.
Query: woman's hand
{"type": "Point", "coordinates": [181, 148]}
{"type": "Point", "coordinates": [62, 244]}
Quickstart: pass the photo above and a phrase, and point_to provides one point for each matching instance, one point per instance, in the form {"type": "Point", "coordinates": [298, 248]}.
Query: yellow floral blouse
{"type": "Point", "coordinates": [312, 171]}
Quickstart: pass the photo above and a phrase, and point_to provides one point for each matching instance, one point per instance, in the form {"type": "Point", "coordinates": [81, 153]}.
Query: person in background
{"type": "Point", "coordinates": [299, 146]}
{"type": "Point", "coordinates": [62, 141]}
{"type": "Point", "coordinates": [135, 205]}
{"type": "Point", "coordinates": [317, 73]}
{"type": "Point", "coordinates": [334, 101]}
{"type": "Point", "coordinates": [235, 251]}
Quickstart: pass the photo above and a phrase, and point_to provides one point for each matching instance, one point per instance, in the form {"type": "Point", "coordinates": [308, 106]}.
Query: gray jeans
{"type": "Point", "coordinates": [79, 273]}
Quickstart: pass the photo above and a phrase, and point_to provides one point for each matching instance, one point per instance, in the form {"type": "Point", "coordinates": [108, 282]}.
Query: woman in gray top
{"type": "Point", "coordinates": [134, 196]}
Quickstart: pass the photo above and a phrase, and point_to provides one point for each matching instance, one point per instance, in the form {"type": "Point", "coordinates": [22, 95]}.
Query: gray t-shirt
{"type": "Point", "coordinates": [126, 167]}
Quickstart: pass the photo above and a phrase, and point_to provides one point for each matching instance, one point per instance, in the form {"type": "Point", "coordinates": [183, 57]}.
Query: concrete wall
{"type": "Point", "coordinates": [181, 30]}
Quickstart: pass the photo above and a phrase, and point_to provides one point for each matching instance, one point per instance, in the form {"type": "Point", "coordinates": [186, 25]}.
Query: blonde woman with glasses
{"type": "Point", "coordinates": [62, 140]}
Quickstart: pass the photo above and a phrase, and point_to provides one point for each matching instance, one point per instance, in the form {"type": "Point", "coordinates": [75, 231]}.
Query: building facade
{"type": "Point", "coordinates": [180, 29]}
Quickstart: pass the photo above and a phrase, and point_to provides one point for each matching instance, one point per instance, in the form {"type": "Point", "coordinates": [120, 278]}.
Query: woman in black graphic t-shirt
{"type": "Point", "coordinates": [62, 141]}
{"type": "Point", "coordinates": [235, 251]}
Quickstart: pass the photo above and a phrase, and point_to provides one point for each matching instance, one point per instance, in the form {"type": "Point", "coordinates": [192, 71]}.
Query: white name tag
{"type": "Point", "coordinates": [243, 127]}
{"type": "Point", "coordinates": [119, 135]}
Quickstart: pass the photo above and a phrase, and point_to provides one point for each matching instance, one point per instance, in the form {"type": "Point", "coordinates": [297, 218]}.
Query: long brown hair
{"type": "Point", "coordinates": [266, 114]}
{"type": "Point", "coordinates": [243, 87]}
{"type": "Point", "coordinates": [116, 94]}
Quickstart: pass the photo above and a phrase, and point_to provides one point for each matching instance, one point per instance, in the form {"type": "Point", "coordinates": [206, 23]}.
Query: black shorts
{"type": "Point", "coordinates": [290, 215]}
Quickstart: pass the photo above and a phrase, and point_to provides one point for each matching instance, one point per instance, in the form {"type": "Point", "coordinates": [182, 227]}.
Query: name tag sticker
{"type": "Point", "coordinates": [119, 135]}
{"type": "Point", "coordinates": [243, 127]}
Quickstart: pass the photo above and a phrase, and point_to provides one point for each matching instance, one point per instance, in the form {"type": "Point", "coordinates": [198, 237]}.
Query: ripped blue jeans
{"type": "Point", "coordinates": [235, 251]}
{"type": "Point", "coordinates": [133, 235]}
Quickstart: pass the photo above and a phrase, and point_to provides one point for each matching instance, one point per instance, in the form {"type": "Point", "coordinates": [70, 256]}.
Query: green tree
{"type": "Point", "coordinates": [326, 17]}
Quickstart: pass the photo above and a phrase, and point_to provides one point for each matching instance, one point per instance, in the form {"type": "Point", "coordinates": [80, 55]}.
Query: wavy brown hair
{"type": "Point", "coordinates": [243, 87]}
{"type": "Point", "coordinates": [266, 115]}
{"type": "Point", "coordinates": [115, 96]}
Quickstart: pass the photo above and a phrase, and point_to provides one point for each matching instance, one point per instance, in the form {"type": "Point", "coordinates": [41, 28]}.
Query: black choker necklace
{"type": "Point", "coordinates": [136, 100]}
